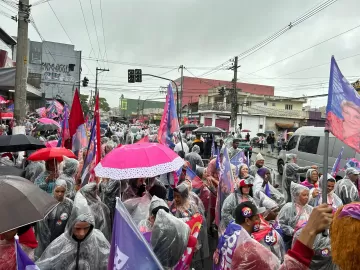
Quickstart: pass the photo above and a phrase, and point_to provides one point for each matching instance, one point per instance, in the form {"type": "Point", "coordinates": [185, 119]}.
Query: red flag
{"type": "Point", "coordinates": [98, 139]}
{"type": "Point", "coordinates": [144, 140]}
{"type": "Point", "coordinates": [76, 115]}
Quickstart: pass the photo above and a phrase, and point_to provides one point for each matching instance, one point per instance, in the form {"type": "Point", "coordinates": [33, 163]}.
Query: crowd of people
{"type": "Point", "coordinates": [259, 225]}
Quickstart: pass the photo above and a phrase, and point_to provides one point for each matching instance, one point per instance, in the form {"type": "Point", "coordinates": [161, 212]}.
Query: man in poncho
{"type": "Point", "coordinates": [259, 163]}
{"type": "Point", "coordinates": [346, 188]}
{"type": "Point", "coordinates": [194, 158]}
{"type": "Point", "coordinates": [81, 246]}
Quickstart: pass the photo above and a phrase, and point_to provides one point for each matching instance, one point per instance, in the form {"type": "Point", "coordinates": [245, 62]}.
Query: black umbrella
{"type": "Point", "coordinates": [22, 203]}
{"type": "Point", "coordinates": [19, 142]}
{"type": "Point", "coordinates": [260, 134]}
{"type": "Point", "coordinates": [188, 127]}
{"type": "Point", "coordinates": [209, 130]}
{"type": "Point", "coordinates": [11, 170]}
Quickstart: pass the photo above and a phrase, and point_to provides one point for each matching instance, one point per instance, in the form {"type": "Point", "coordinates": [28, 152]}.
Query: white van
{"type": "Point", "coordinates": [308, 144]}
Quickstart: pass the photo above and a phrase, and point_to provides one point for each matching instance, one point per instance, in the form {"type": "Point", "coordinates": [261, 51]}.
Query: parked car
{"type": "Point", "coordinates": [244, 144]}
{"type": "Point", "coordinates": [254, 142]}
{"type": "Point", "coordinates": [308, 144]}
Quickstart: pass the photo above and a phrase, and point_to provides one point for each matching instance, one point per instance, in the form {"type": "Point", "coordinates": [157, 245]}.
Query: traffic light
{"type": "Point", "coordinates": [85, 81]}
{"type": "Point", "coordinates": [138, 75]}
{"type": "Point", "coordinates": [240, 126]}
{"type": "Point", "coordinates": [131, 75]}
{"type": "Point", "coordinates": [222, 91]}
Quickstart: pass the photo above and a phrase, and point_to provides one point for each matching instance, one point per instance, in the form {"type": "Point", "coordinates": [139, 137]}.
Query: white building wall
{"type": "Point", "coordinates": [255, 123]}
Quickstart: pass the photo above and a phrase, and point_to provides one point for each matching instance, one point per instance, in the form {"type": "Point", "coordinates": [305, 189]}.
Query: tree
{"type": "Point", "coordinates": [84, 103]}
{"type": "Point", "coordinates": [104, 105]}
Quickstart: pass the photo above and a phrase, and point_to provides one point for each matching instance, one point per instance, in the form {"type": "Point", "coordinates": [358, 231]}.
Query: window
{"type": "Point", "coordinates": [309, 144]}
{"type": "Point", "coordinates": [292, 143]}
{"type": "Point", "coordinates": [288, 107]}
{"type": "Point", "coordinates": [273, 104]}
{"type": "Point", "coordinates": [265, 103]}
{"type": "Point", "coordinates": [248, 103]}
{"type": "Point", "coordinates": [260, 126]}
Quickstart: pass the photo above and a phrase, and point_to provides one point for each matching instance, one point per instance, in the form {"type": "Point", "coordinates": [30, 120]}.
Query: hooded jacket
{"type": "Point", "coordinates": [347, 191]}
{"type": "Point", "coordinates": [69, 170]}
{"type": "Point", "coordinates": [66, 252]}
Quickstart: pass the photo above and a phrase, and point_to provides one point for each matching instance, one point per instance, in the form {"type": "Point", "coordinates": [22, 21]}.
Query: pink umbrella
{"type": "Point", "coordinates": [48, 121]}
{"type": "Point", "coordinates": [138, 160]}
{"type": "Point", "coordinates": [51, 144]}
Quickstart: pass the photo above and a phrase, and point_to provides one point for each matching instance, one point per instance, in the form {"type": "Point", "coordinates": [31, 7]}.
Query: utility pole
{"type": "Point", "coordinates": [96, 78]}
{"type": "Point", "coordinates": [138, 108]}
{"type": "Point", "coordinates": [181, 91]}
{"type": "Point", "coordinates": [21, 61]}
{"type": "Point", "coordinates": [234, 102]}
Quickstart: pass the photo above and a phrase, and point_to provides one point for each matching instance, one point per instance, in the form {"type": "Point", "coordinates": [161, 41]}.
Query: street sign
{"type": "Point", "coordinates": [124, 104]}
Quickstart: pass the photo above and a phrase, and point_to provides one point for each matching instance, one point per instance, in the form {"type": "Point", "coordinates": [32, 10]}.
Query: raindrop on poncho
{"type": "Point", "coordinates": [92, 253]}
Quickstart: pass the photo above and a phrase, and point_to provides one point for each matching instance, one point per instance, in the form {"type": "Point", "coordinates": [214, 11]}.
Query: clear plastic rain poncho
{"type": "Point", "coordinates": [347, 191]}
{"type": "Point", "coordinates": [194, 158]}
{"type": "Point", "coordinates": [322, 259]}
{"type": "Point", "coordinates": [230, 204]}
{"type": "Point", "coordinates": [293, 215]}
{"type": "Point", "coordinates": [92, 253]}
{"type": "Point", "coordinates": [34, 169]}
{"type": "Point", "coordinates": [99, 210]}
{"type": "Point", "coordinates": [291, 174]}
{"type": "Point", "coordinates": [109, 189]}
{"type": "Point", "coordinates": [333, 200]}
{"type": "Point", "coordinates": [145, 225]}
{"type": "Point", "coordinates": [68, 170]}
{"type": "Point", "coordinates": [268, 190]}
{"type": "Point", "coordinates": [138, 208]}
{"type": "Point", "coordinates": [169, 238]}
{"type": "Point", "coordinates": [54, 223]}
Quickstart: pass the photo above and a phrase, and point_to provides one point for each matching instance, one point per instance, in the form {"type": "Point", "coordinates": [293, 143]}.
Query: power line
{"type": "Point", "coordinates": [304, 50]}
{"type": "Point", "coordinates": [97, 37]}
{"type": "Point", "coordinates": [60, 23]}
{"type": "Point", "coordinates": [102, 24]}
{"type": "Point", "coordinates": [87, 29]}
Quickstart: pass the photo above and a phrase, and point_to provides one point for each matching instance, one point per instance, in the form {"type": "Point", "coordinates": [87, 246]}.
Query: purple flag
{"type": "Point", "coordinates": [225, 187]}
{"type": "Point", "coordinates": [90, 155]}
{"type": "Point", "coordinates": [129, 249]}
{"type": "Point", "coordinates": [238, 159]}
{"type": "Point", "coordinates": [23, 262]}
{"type": "Point", "coordinates": [336, 167]}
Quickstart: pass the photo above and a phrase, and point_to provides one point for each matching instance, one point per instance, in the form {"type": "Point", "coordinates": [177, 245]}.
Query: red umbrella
{"type": "Point", "coordinates": [50, 153]}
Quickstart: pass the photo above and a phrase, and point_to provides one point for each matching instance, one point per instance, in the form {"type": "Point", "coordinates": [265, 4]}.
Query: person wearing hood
{"type": "Point", "coordinates": [156, 204]}
{"type": "Point", "coordinates": [136, 188]}
{"type": "Point", "coordinates": [46, 180]}
{"type": "Point", "coordinates": [81, 246]}
{"type": "Point", "coordinates": [68, 170]}
{"type": "Point", "coordinates": [244, 173]}
{"type": "Point", "coordinates": [312, 179]}
{"type": "Point", "coordinates": [347, 188]}
{"type": "Point", "coordinates": [34, 169]}
{"type": "Point", "coordinates": [99, 210]}
{"type": "Point", "coordinates": [291, 174]}
{"type": "Point", "coordinates": [182, 206]}
{"type": "Point", "coordinates": [259, 163]}
{"type": "Point", "coordinates": [194, 158]}
{"type": "Point", "coordinates": [332, 199]}
{"type": "Point", "coordinates": [242, 194]}
{"type": "Point", "coordinates": [109, 189]}
{"type": "Point", "coordinates": [262, 186]}
{"type": "Point", "coordinates": [197, 141]}
{"type": "Point", "coordinates": [54, 224]}
{"type": "Point", "coordinates": [294, 214]}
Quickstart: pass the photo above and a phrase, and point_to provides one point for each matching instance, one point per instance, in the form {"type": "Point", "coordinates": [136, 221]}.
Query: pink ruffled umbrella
{"type": "Point", "coordinates": [51, 144]}
{"type": "Point", "coordinates": [138, 160]}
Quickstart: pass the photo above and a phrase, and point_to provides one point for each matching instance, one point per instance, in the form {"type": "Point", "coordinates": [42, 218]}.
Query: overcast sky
{"type": "Point", "coordinates": [203, 33]}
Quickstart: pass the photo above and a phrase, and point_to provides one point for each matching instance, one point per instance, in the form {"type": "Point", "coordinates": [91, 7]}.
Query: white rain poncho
{"type": "Point", "coordinates": [34, 169]}
{"type": "Point", "coordinates": [269, 191]}
{"type": "Point", "coordinates": [68, 170]}
{"type": "Point", "coordinates": [230, 204]}
{"type": "Point", "coordinates": [54, 223]}
{"type": "Point", "coordinates": [109, 190]}
{"type": "Point", "coordinates": [293, 215]}
{"type": "Point", "coordinates": [156, 203]}
{"type": "Point", "coordinates": [322, 259]}
{"type": "Point", "coordinates": [347, 191]}
{"type": "Point", "coordinates": [99, 210]}
{"type": "Point", "coordinates": [138, 208]}
{"type": "Point", "coordinates": [194, 158]}
{"type": "Point", "coordinates": [291, 174]}
{"type": "Point", "coordinates": [333, 200]}
{"type": "Point", "coordinates": [169, 238]}
{"type": "Point", "coordinates": [65, 252]}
